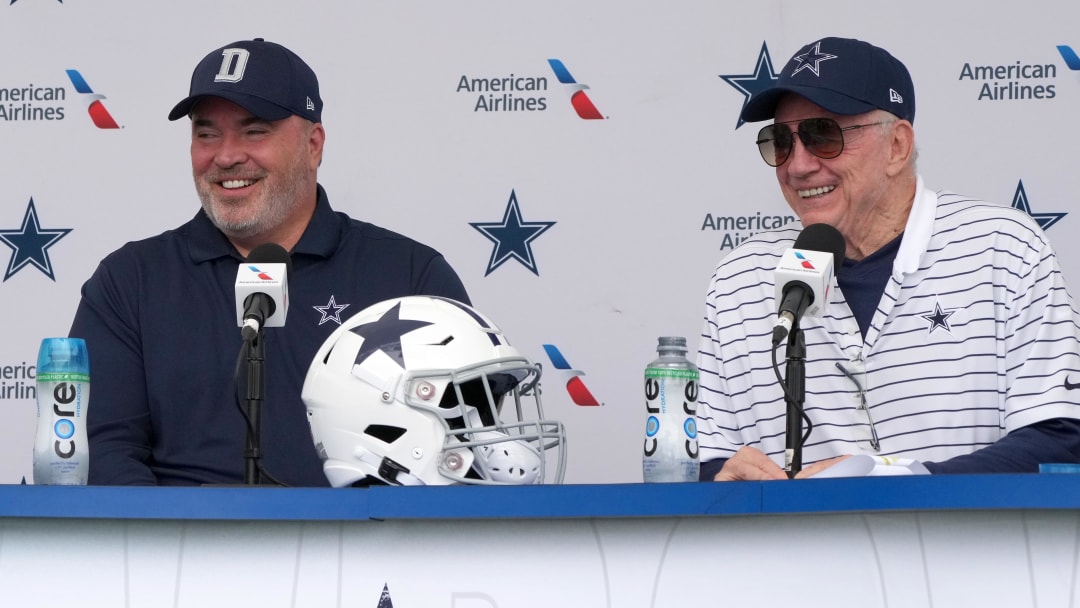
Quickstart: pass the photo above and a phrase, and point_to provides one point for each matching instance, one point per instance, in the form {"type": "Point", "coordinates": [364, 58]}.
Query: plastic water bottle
{"type": "Point", "coordinates": [671, 392]}
{"type": "Point", "coordinates": [63, 391]}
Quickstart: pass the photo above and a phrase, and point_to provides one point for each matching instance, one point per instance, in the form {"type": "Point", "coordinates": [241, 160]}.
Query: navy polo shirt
{"type": "Point", "coordinates": [159, 319]}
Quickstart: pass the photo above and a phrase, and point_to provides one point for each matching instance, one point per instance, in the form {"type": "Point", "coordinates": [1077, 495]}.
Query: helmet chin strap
{"type": "Point", "coordinates": [388, 469]}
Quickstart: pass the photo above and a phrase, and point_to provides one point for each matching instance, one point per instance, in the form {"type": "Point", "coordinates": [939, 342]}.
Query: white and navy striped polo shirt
{"type": "Point", "coordinates": [975, 336]}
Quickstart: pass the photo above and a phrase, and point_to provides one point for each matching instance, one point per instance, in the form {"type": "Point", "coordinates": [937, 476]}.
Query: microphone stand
{"type": "Point", "coordinates": [253, 406]}
{"type": "Point", "coordinates": [795, 381]}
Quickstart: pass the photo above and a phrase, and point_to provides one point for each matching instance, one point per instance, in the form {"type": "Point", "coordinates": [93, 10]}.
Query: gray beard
{"type": "Point", "coordinates": [279, 202]}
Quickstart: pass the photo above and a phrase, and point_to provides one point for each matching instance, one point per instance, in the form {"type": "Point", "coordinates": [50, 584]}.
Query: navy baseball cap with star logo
{"type": "Point", "coordinates": [843, 75]}
{"type": "Point", "coordinates": [264, 78]}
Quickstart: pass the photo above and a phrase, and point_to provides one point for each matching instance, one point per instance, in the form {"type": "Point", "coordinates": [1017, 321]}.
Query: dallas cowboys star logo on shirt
{"type": "Point", "coordinates": [749, 85]}
{"type": "Point", "coordinates": [30, 244]}
{"type": "Point", "coordinates": [331, 312]}
{"type": "Point", "coordinates": [512, 237]}
{"type": "Point", "coordinates": [1045, 220]}
{"type": "Point", "coordinates": [811, 60]}
{"type": "Point", "coordinates": [939, 318]}
{"type": "Point", "coordinates": [385, 335]}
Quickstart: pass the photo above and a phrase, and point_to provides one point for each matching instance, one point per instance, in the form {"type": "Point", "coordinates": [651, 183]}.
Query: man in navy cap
{"type": "Point", "coordinates": [948, 337]}
{"type": "Point", "coordinates": [159, 317]}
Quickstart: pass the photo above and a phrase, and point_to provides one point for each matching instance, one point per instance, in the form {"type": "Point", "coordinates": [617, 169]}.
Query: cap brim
{"type": "Point", "coordinates": [260, 108]}
{"type": "Point", "coordinates": [763, 106]}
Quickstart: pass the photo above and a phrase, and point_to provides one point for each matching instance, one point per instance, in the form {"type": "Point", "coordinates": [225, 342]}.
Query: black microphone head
{"type": "Point", "coordinates": [272, 253]}
{"type": "Point", "coordinates": [824, 238]}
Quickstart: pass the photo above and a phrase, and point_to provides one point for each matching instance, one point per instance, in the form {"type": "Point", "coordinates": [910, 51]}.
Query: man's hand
{"type": "Point", "coordinates": [749, 464]}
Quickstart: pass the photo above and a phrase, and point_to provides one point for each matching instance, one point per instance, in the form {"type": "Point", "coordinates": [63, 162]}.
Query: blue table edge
{"type": "Point", "coordinates": [947, 492]}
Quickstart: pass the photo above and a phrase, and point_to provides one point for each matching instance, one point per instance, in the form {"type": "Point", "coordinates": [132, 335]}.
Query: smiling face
{"type": "Point", "coordinates": [256, 179]}
{"type": "Point", "coordinates": [846, 191]}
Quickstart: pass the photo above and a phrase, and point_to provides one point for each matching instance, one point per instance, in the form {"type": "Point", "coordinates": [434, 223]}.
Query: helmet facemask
{"type": "Point", "coordinates": [493, 411]}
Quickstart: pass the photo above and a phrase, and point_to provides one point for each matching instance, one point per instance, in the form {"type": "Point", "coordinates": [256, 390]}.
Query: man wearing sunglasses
{"type": "Point", "coordinates": [951, 338]}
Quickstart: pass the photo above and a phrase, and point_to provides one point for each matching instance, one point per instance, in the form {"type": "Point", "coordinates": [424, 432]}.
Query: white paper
{"type": "Point", "coordinates": [867, 465]}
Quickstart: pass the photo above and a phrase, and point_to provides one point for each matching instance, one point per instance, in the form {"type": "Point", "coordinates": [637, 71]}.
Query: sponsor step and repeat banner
{"type": "Point", "coordinates": [582, 166]}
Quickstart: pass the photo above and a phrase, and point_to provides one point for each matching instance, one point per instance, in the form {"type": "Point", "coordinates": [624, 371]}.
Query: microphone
{"type": "Point", "coordinates": [804, 275]}
{"type": "Point", "coordinates": [262, 289]}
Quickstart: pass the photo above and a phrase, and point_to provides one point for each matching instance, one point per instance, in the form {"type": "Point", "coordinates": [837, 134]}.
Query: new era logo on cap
{"type": "Point", "coordinates": [842, 75]}
{"type": "Point", "coordinates": [264, 78]}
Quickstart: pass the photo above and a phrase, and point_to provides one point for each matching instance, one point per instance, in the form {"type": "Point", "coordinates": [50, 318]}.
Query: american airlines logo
{"type": "Point", "coordinates": [575, 386]}
{"type": "Point", "coordinates": [578, 99]}
{"type": "Point", "coordinates": [803, 260]}
{"type": "Point", "coordinates": [1072, 61]}
{"type": "Point", "coordinates": [510, 93]}
{"type": "Point", "coordinates": [94, 106]}
{"type": "Point", "coordinates": [1024, 79]}
{"type": "Point", "coordinates": [262, 275]}
{"type": "Point", "coordinates": [36, 103]}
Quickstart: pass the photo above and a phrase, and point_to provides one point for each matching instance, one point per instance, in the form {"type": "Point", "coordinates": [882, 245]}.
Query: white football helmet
{"type": "Point", "coordinates": [426, 391]}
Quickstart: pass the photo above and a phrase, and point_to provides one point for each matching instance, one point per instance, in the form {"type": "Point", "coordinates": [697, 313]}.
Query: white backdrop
{"type": "Point", "coordinates": [633, 196]}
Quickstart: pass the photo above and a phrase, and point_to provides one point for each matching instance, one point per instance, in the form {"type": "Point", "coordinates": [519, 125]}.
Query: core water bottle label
{"type": "Point", "coordinates": [660, 372]}
{"type": "Point", "coordinates": [64, 428]}
{"type": "Point", "coordinates": [60, 451]}
{"type": "Point", "coordinates": [652, 426]}
{"type": "Point", "coordinates": [62, 377]}
{"type": "Point", "coordinates": [690, 428]}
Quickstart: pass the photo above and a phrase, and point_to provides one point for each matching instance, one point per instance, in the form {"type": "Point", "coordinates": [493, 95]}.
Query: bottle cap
{"type": "Point", "coordinates": [671, 344]}
{"type": "Point", "coordinates": [68, 352]}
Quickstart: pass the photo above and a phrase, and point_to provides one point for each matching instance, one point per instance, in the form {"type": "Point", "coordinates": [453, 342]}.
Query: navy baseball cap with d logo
{"type": "Point", "coordinates": [843, 75]}
{"type": "Point", "coordinates": [264, 78]}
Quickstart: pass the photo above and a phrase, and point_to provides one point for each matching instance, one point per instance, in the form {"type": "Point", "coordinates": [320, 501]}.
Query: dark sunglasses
{"type": "Point", "coordinates": [822, 137]}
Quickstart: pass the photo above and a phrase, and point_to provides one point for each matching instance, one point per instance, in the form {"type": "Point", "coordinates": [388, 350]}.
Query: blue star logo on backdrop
{"type": "Point", "coordinates": [385, 601]}
{"type": "Point", "coordinates": [30, 244]}
{"type": "Point", "coordinates": [811, 60]}
{"type": "Point", "coordinates": [939, 318]}
{"type": "Point", "coordinates": [331, 312]}
{"type": "Point", "coordinates": [385, 335]}
{"type": "Point", "coordinates": [1045, 220]}
{"type": "Point", "coordinates": [749, 85]}
{"type": "Point", "coordinates": [512, 237]}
